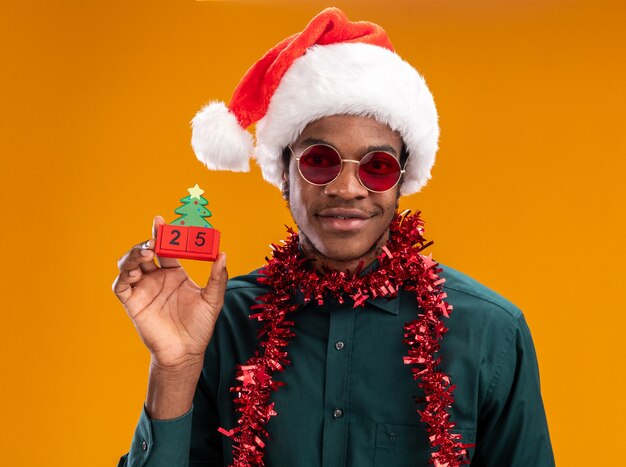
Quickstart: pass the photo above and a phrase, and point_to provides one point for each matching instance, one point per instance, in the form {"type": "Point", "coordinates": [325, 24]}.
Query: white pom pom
{"type": "Point", "coordinates": [219, 141]}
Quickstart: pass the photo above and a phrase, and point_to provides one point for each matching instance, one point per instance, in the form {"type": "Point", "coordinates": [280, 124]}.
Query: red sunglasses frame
{"type": "Point", "coordinates": [342, 160]}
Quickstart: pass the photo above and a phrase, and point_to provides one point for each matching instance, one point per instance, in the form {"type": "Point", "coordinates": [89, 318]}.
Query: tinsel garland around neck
{"type": "Point", "coordinates": [401, 264]}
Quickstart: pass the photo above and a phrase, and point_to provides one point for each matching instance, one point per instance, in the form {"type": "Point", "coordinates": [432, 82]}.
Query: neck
{"type": "Point", "coordinates": [348, 265]}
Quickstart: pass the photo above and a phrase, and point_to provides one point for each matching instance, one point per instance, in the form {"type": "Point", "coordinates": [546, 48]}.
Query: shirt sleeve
{"type": "Point", "coordinates": [512, 426]}
{"type": "Point", "coordinates": [160, 443]}
{"type": "Point", "coordinates": [191, 440]}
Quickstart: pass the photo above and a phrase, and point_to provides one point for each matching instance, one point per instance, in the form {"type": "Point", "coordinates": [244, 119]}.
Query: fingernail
{"type": "Point", "coordinates": [146, 252]}
{"type": "Point", "coordinates": [133, 273]}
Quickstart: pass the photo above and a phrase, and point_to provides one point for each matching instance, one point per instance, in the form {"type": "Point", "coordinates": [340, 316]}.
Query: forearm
{"type": "Point", "coordinates": [171, 391]}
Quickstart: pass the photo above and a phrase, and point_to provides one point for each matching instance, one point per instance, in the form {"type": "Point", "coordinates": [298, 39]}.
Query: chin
{"type": "Point", "coordinates": [344, 252]}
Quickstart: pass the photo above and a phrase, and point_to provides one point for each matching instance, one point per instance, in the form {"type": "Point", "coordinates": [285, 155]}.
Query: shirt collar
{"type": "Point", "coordinates": [391, 306]}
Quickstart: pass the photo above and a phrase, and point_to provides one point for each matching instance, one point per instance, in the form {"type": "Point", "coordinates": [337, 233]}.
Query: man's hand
{"type": "Point", "coordinates": [174, 317]}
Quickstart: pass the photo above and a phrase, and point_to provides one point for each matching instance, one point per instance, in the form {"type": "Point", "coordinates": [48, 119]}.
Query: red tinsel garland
{"type": "Point", "coordinates": [400, 265]}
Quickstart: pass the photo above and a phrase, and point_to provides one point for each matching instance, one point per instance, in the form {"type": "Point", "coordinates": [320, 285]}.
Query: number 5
{"type": "Point", "coordinates": [200, 240]}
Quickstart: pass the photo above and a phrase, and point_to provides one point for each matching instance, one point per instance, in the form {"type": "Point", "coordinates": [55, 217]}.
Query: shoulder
{"type": "Point", "coordinates": [235, 333]}
{"type": "Point", "coordinates": [246, 285]}
{"type": "Point", "coordinates": [245, 282]}
{"type": "Point", "coordinates": [467, 293]}
{"type": "Point", "coordinates": [241, 293]}
{"type": "Point", "coordinates": [478, 313]}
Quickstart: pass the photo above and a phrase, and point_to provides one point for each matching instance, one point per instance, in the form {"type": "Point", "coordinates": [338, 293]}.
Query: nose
{"type": "Point", "coordinates": [347, 185]}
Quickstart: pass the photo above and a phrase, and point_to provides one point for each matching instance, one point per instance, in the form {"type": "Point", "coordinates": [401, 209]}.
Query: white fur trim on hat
{"type": "Point", "coordinates": [219, 141]}
{"type": "Point", "coordinates": [351, 79]}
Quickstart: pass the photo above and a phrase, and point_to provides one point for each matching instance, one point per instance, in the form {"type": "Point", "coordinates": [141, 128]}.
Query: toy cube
{"type": "Point", "coordinates": [200, 239]}
{"type": "Point", "coordinates": [173, 238]}
{"type": "Point", "coordinates": [188, 242]}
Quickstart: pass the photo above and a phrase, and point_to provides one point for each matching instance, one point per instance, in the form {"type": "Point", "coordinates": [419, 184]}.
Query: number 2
{"type": "Point", "coordinates": [174, 240]}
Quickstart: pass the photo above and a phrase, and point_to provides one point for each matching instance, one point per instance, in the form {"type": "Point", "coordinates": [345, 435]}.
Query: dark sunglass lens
{"type": "Point", "coordinates": [379, 171]}
{"type": "Point", "coordinates": [320, 164]}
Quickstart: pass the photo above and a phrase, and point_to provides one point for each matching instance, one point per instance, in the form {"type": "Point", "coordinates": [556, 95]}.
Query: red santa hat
{"type": "Point", "coordinates": [333, 67]}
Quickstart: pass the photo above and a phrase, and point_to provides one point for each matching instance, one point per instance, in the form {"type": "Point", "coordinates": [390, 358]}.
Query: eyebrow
{"type": "Point", "coordinates": [381, 147]}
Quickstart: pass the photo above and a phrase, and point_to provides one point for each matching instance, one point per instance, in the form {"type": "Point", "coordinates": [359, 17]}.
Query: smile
{"type": "Point", "coordinates": [343, 220]}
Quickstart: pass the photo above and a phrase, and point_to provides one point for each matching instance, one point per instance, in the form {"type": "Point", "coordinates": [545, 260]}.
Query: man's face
{"type": "Point", "coordinates": [343, 221]}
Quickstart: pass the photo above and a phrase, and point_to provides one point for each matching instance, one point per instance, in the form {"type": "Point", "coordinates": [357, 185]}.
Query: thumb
{"type": "Point", "coordinates": [213, 292]}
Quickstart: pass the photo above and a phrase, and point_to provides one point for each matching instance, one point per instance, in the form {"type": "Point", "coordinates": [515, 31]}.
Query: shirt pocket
{"type": "Point", "coordinates": [406, 445]}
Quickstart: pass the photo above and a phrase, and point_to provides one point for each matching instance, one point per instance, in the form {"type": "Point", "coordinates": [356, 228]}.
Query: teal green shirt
{"type": "Point", "coordinates": [348, 398]}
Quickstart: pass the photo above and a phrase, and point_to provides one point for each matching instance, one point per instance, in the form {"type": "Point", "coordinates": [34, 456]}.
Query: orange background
{"type": "Point", "coordinates": [96, 100]}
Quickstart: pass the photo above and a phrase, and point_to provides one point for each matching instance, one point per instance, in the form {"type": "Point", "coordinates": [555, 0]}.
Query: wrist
{"type": "Point", "coordinates": [176, 368]}
{"type": "Point", "coordinates": [171, 389]}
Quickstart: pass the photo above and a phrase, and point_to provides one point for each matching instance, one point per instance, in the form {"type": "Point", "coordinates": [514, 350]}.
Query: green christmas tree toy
{"type": "Point", "coordinates": [190, 236]}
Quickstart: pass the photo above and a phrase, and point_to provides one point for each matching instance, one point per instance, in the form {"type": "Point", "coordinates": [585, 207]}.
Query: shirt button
{"type": "Point", "coordinates": [144, 445]}
{"type": "Point", "coordinates": [337, 413]}
{"type": "Point", "coordinates": [339, 345]}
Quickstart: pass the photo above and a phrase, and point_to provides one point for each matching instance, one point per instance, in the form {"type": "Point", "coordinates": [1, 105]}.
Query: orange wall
{"type": "Point", "coordinates": [96, 100]}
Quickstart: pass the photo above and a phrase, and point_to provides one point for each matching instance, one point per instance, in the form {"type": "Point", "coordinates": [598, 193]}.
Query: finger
{"type": "Point", "coordinates": [147, 251]}
{"type": "Point", "coordinates": [141, 255]}
{"type": "Point", "coordinates": [138, 254]}
{"type": "Point", "coordinates": [213, 292]}
{"type": "Point", "coordinates": [124, 282]}
{"type": "Point", "coordinates": [156, 221]}
{"type": "Point", "coordinates": [163, 262]}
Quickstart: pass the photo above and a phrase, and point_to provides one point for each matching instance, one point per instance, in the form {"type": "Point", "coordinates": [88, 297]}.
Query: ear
{"type": "Point", "coordinates": [286, 161]}
{"type": "Point", "coordinates": [285, 184]}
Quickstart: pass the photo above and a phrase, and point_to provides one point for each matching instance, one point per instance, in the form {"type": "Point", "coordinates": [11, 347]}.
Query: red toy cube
{"type": "Point", "coordinates": [173, 237]}
{"type": "Point", "coordinates": [177, 241]}
{"type": "Point", "coordinates": [200, 239]}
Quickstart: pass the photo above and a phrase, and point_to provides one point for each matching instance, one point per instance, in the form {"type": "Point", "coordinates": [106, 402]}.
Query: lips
{"type": "Point", "coordinates": [343, 219]}
{"type": "Point", "coordinates": [346, 213]}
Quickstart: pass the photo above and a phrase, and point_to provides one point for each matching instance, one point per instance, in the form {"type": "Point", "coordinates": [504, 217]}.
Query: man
{"type": "Point", "coordinates": [350, 347]}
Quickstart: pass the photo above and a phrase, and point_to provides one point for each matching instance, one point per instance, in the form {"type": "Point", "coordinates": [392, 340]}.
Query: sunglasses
{"type": "Point", "coordinates": [321, 164]}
